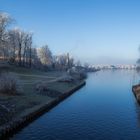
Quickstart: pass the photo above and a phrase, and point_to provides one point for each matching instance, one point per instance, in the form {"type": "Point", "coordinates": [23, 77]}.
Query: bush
{"type": "Point", "coordinates": [41, 86]}
{"type": "Point", "coordinates": [11, 60]}
{"type": "Point", "coordinates": [79, 74]}
{"type": "Point", "coordinates": [83, 75]}
{"type": "Point", "coordinates": [8, 84]}
{"type": "Point", "coordinates": [43, 89]}
{"type": "Point", "coordinates": [66, 78]}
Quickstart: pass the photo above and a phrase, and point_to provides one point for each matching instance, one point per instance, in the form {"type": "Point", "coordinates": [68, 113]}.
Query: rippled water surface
{"type": "Point", "coordinates": [102, 110]}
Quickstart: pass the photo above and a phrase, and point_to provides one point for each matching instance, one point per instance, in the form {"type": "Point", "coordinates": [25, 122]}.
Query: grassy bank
{"type": "Point", "coordinates": [29, 103]}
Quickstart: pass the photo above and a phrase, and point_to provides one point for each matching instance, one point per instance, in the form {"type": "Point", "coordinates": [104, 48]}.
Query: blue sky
{"type": "Point", "coordinates": [94, 31]}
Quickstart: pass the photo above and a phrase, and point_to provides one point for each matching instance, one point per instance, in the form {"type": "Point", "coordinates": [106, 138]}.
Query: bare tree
{"type": "Point", "coordinates": [20, 46]}
{"type": "Point", "coordinates": [27, 49]}
{"type": "Point", "coordinates": [35, 60]}
{"type": "Point", "coordinates": [12, 45]}
{"type": "Point", "coordinates": [63, 61]}
{"type": "Point", "coordinates": [30, 49]}
{"type": "Point", "coordinates": [19, 39]}
{"type": "Point", "coordinates": [5, 20]}
{"type": "Point", "coordinates": [45, 55]}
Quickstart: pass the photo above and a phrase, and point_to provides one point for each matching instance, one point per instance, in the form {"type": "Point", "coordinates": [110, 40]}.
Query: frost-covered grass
{"type": "Point", "coordinates": [29, 99]}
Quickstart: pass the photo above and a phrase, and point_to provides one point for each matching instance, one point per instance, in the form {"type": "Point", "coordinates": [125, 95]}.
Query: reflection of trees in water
{"type": "Point", "coordinates": [138, 70]}
{"type": "Point", "coordinates": [137, 105]}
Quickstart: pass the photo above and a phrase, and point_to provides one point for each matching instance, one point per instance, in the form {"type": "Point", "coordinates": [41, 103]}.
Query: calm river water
{"type": "Point", "coordinates": [105, 109]}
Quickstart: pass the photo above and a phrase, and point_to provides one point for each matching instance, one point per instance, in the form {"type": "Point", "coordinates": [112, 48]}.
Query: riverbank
{"type": "Point", "coordinates": [136, 91]}
{"type": "Point", "coordinates": [24, 108]}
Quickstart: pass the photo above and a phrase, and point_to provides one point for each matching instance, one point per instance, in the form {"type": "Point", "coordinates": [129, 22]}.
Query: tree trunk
{"type": "Point", "coordinates": [19, 55]}
{"type": "Point", "coordinates": [30, 60]}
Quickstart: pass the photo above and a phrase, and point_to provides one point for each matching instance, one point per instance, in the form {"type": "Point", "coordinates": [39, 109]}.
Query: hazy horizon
{"type": "Point", "coordinates": [94, 31]}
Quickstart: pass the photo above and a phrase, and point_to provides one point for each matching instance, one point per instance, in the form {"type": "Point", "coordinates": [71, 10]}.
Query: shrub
{"type": "Point", "coordinates": [66, 78]}
{"type": "Point", "coordinates": [41, 86]}
{"type": "Point", "coordinates": [79, 74]}
{"type": "Point", "coordinates": [83, 75]}
{"type": "Point", "coordinates": [8, 84]}
{"type": "Point", "coordinates": [43, 89]}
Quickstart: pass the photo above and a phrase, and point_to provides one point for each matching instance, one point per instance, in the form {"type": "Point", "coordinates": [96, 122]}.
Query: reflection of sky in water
{"type": "Point", "coordinates": [104, 109]}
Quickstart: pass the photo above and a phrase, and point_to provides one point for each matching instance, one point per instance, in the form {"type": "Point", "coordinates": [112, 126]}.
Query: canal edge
{"type": "Point", "coordinates": [16, 125]}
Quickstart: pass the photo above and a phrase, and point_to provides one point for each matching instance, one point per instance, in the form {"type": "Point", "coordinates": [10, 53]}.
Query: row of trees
{"type": "Point", "coordinates": [16, 46]}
